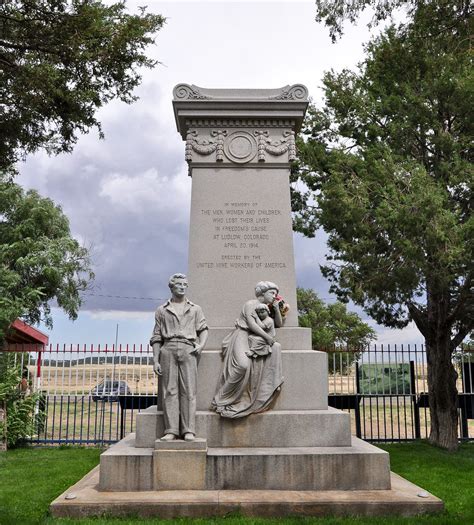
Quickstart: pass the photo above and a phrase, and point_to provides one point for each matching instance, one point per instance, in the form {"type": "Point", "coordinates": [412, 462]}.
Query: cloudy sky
{"type": "Point", "coordinates": [128, 196]}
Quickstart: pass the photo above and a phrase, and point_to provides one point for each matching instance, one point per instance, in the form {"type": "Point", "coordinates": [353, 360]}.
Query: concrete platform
{"type": "Point", "coordinates": [275, 428]}
{"type": "Point", "coordinates": [402, 500]}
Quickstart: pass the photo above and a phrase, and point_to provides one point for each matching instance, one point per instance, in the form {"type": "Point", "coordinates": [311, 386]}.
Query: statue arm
{"type": "Point", "coordinates": [202, 332]}
{"type": "Point", "coordinates": [253, 326]}
{"type": "Point", "coordinates": [156, 342]}
{"type": "Point", "coordinates": [156, 358]}
{"type": "Point", "coordinates": [202, 338]}
{"type": "Point", "coordinates": [278, 318]}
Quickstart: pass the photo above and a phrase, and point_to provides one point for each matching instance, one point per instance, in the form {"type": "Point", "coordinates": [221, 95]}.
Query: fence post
{"type": "Point", "coordinates": [416, 408]}
{"type": "Point", "coordinates": [357, 401]}
{"type": "Point", "coordinates": [463, 416]}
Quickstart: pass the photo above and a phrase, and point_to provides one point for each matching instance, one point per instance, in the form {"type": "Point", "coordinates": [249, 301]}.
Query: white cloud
{"type": "Point", "coordinates": [148, 191]}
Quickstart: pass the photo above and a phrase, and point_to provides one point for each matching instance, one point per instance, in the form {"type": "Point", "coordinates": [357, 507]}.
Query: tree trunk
{"type": "Point", "coordinates": [442, 393]}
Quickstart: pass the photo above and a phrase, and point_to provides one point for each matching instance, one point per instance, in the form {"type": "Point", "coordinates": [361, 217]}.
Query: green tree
{"type": "Point", "coordinates": [60, 61]}
{"type": "Point", "coordinates": [335, 12]}
{"type": "Point", "coordinates": [387, 163]}
{"type": "Point", "coordinates": [342, 334]}
{"type": "Point", "coordinates": [332, 326]}
{"type": "Point", "coordinates": [39, 260]}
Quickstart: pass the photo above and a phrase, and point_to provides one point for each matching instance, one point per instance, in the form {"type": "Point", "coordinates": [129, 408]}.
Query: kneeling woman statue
{"type": "Point", "coordinates": [250, 381]}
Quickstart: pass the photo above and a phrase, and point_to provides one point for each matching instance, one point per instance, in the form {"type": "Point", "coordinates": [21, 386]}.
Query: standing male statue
{"type": "Point", "coordinates": [179, 336]}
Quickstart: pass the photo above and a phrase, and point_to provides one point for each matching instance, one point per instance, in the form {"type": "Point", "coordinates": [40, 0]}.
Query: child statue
{"type": "Point", "coordinates": [258, 346]}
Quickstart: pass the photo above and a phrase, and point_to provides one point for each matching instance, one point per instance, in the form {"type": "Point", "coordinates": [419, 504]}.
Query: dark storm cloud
{"type": "Point", "coordinates": [127, 198]}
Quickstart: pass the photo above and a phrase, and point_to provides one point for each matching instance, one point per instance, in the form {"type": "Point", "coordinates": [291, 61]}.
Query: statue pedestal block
{"type": "Point", "coordinates": [179, 465]}
{"type": "Point", "coordinates": [275, 428]}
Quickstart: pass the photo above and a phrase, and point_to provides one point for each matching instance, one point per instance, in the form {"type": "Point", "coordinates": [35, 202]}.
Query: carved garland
{"type": "Point", "coordinates": [276, 147]}
{"type": "Point", "coordinates": [203, 147]}
{"type": "Point", "coordinates": [264, 145]}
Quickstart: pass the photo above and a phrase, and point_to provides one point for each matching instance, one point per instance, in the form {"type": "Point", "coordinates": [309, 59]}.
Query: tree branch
{"type": "Point", "coordinates": [420, 319]}
{"type": "Point", "coordinates": [463, 331]}
{"type": "Point", "coordinates": [19, 47]}
{"type": "Point", "coordinates": [464, 295]}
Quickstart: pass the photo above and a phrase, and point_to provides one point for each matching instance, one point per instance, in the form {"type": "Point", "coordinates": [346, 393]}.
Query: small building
{"type": "Point", "coordinates": [24, 338]}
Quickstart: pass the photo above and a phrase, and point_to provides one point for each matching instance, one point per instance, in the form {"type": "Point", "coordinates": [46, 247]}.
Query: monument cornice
{"type": "Point", "coordinates": [194, 104]}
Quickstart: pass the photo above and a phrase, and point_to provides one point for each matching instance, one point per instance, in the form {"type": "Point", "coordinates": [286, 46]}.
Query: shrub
{"type": "Point", "coordinates": [19, 405]}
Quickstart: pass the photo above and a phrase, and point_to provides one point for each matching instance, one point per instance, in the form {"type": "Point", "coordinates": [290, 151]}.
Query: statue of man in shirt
{"type": "Point", "coordinates": [178, 338]}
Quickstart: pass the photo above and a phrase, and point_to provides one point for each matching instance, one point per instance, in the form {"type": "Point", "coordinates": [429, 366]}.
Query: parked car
{"type": "Point", "coordinates": [109, 390]}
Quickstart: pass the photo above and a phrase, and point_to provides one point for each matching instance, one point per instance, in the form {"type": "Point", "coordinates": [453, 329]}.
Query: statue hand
{"type": "Point", "coordinates": [157, 368]}
{"type": "Point", "coordinates": [196, 350]}
{"type": "Point", "coordinates": [270, 341]}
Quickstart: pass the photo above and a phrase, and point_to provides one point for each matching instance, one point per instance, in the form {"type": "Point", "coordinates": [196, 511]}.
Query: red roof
{"type": "Point", "coordinates": [20, 333]}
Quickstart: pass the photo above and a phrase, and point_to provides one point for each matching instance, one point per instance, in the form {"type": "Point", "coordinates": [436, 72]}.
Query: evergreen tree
{"type": "Point", "coordinates": [387, 163]}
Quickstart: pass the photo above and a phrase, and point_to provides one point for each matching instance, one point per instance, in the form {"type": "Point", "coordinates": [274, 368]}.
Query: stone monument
{"type": "Point", "coordinates": [272, 434]}
{"type": "Point", "coordinates": [239, 146]}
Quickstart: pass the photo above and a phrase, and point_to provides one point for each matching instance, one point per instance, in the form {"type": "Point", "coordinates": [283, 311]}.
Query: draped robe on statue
{"type": "Point", "coordinates": [247, 385]}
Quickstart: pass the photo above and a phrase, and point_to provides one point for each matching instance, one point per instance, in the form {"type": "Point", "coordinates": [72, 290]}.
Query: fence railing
{"type": "Point", "coordinates": [91, 394]}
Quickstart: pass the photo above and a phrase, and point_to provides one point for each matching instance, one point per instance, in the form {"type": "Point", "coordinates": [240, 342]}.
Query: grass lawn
{"type": "Point", "coordinates": [31, 478]}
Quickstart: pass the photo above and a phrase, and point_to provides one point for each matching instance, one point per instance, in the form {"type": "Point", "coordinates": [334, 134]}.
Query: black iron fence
{"type": "Point", "coordinates": [90, 395]}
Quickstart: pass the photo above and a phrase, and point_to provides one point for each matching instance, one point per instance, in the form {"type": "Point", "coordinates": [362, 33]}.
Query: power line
{"type": "Point", "coordinates": [123, 297]}
{"type": "Point", "coordinates": [160, 298]}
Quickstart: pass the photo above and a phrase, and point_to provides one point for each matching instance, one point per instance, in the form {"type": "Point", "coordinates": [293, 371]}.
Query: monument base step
{"type": "Point", "coordinates": [87, 501]}
{"type": "Point", "coordinates": [275, 428]}
{"type": "Point", "coordinates": [360, 466]}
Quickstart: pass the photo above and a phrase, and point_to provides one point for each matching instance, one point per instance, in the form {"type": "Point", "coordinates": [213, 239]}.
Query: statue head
{"type": "Point", "coordinates": [178, 283]}
{"type": "Point", "coordinates": [262, 311]}
{"type": "Point", "coordinates": [266, 291]}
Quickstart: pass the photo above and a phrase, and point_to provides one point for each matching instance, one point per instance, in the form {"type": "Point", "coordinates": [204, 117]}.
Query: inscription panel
{"type": "Point", "coordinates": [240, 234]}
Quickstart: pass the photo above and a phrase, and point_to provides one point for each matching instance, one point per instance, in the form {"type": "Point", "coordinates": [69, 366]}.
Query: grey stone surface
{"type": "Point", "coordinates": [290, 338]}
{"type": "Point", "coordinates": [277, 428]}
{"type": "Point", "coordinates": [400, 500]}
{"type": "Point", "coordinates": [180, 444]}
{"type": "Point", "coordinates": [179, 469]}
{"type": "Point", "coordinates": [240, 233]}
{"type": "Point", "coordinates": [281, 106]}
{"type": "Point", "coordinates": [239, 153]}
{"type": "Point", "coordinates": [360, 466]}
{"type": "Point", "coordinates": [126, 468]}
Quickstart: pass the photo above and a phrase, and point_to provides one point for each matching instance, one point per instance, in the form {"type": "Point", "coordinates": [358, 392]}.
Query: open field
{"type": "Point", "coordinates": [80, 379]}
